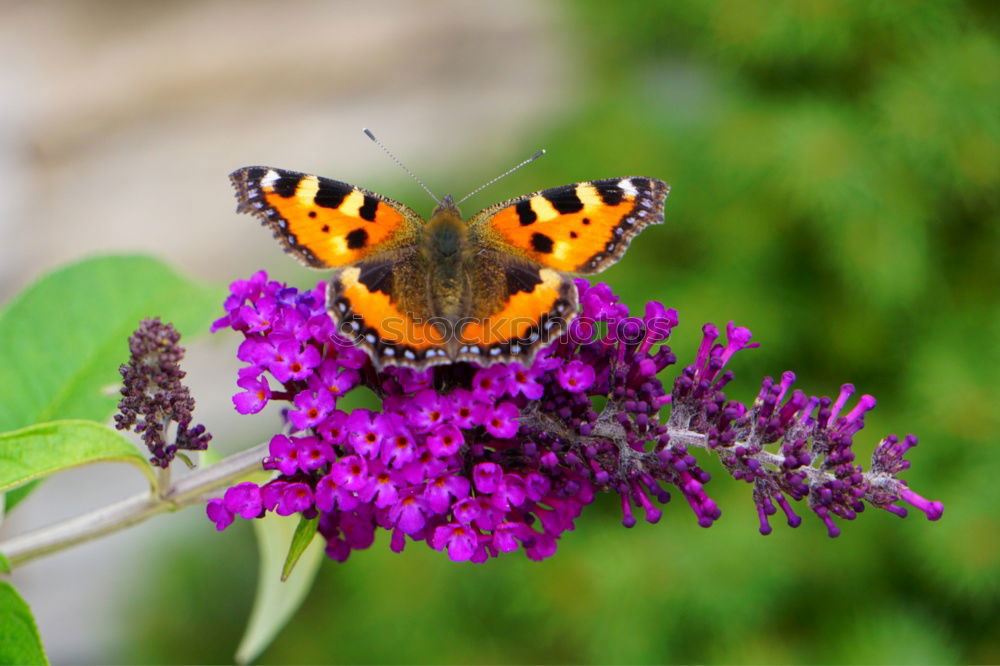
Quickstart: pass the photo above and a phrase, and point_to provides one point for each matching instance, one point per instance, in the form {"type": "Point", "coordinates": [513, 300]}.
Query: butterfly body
{"type": "Point", "coordinates": [449, 257]}
{"type": "Point", "coordinates": [492, 288]}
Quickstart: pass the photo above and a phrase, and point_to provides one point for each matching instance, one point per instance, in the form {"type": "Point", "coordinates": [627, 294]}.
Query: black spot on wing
{"type": "Point", "coordinates": [524, 212]}
{"type": "Point", "coordinates": [541, 243]}
{"type": "Point", "coordinates": [609, 191]}
{"type": "Point", "coordinates": [521, 278]}
{"type": "Point", "coordinates": [563, 199]}
{"type": "Point", "coordinates": [376, 276]}
{"type": "Point", "coordinates": [367, 210]}
{"type": "Point", "coordinates": [331, 193]}
{"type": "Point", "coordinates": [357, 239]}
{"type": "Point", "coordinates": [286, 185]}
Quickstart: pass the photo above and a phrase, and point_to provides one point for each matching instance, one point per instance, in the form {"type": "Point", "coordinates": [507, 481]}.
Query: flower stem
{"type": "Point", "coordinates": [183, 492]}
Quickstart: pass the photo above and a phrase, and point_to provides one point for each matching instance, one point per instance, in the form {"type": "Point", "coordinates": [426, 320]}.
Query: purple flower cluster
{"type": "Point", "coordinates": [479, 461]}
{"type": "Point", "coordinates": [815, 460]}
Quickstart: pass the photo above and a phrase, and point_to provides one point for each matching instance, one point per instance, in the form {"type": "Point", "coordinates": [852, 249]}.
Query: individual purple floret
{"type": "Point", "coordinates": [155, 404]}
{"type": "Point", "coordinates": [479, 461]}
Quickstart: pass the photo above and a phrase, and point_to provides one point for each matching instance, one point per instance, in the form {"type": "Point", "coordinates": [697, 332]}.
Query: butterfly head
{"type": "Point", "coordinates": [447, 206]}
{"type": "Point", "coordinates": [446, 233]}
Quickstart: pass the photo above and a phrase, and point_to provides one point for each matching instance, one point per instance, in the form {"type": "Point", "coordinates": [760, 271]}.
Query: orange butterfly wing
{"type": "Point", "coordinates": [581, 228]}
{"type": "Point", "coordinates": [520, 308]}
{"type": "Point", "coordinates": [323, 223]}
{"type": "Point", "coordinates": [379, 305]}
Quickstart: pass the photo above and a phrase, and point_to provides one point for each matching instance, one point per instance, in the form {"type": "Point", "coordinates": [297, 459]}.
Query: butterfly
{"type": "Point", "coordinates": [421, 293]}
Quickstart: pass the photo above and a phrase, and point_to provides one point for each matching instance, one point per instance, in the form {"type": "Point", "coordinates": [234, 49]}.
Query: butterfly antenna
{"type": "Point", "coordinates": [402, 166]}
{"type": "Point", "coordinates": [503, 175]}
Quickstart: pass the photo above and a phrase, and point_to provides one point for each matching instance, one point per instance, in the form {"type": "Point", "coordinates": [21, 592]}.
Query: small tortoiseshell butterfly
{"type": "Point", "coordinates": [421, 293]}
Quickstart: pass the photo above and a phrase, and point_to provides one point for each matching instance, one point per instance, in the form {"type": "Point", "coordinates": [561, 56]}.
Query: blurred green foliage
{"type": "Point", "coordinates": [834, 168]}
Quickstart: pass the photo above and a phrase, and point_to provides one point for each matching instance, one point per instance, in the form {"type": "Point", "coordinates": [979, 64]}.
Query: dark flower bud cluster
{"type": "Point", "coordinates": [155, 404]}
{"type": "Point", "coordinates": [478, 461]}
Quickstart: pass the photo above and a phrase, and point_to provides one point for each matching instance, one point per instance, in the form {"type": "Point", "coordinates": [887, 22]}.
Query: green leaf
{"type": "Point", "coordinates": [276, 600]}
{"type": "Point", "coordinates": [304, 533]}
{"type": "Point", "coordinates": [17, 495]}
{"type": "Point", "coordinates": [64, 337]}
{"type": "Point", "coordinates": [19, 640]}
{"type": "Point", "coordinates": [4, 564]}
{"type": "Point", "coordinates": [39, 450]}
